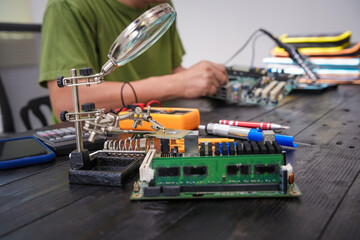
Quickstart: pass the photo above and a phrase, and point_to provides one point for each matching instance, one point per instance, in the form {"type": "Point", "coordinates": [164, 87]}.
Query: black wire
{"type": "Point", "coordinates": [242, 47]}
{"type": "Point", "coordinates": [121, 93]}
{"type": "Point", "coordinates": [253, 49]}
{"type": "Point", "coordinates": [136, 99]}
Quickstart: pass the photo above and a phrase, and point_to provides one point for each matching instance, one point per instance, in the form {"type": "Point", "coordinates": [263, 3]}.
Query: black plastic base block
{"type": "Point", "coordinates": [107, 170]}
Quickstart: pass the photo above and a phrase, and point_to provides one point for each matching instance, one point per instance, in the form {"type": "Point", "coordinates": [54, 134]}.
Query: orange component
{"type": "Point", "coordinates": [175, 118]}
{"type": "Point", "coordinates": [330, 81]}
{"type": "Point", "coordinates": [181, 148]}
{"type": "Point", "coordinates": [292, 178]}
{"type": "Point", "coordinates": [212, 140]}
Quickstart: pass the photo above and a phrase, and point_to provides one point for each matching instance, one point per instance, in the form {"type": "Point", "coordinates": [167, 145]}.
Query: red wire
{"type": "Point", "coordinates": [153, 101]}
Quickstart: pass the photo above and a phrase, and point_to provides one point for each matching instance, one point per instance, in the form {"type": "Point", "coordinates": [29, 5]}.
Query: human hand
{"type": "Point", "coordinates": [201, 79]}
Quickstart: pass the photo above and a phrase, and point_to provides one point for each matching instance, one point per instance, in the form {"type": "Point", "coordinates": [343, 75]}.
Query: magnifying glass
{"type": "Point", "coordinates": [133, 41]}
{"type": "Point", "coordinates": [139, 36]}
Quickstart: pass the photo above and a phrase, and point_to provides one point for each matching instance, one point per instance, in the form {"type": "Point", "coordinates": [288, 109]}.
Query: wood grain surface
{"type": "Point", "coordinates": [38, 202]}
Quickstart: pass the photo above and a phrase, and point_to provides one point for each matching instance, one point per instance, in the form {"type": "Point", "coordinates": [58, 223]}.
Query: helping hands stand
{"type": "Point", "coordinates": [108, 166]}
{"type": "Point", "coordinates": [112, 166]}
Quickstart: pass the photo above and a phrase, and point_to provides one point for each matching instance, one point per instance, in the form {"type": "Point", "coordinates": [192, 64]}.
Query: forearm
{"type": "Point", "coordinates": [202, 79]}
{"type": "Point", "coordinates": [178, 69]}
{"type": "Point", "coordinates": [108, 94]}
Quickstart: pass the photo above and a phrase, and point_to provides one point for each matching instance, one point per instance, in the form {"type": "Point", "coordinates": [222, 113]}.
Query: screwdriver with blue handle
{"type": "Point", "coordinates": [248, 133]}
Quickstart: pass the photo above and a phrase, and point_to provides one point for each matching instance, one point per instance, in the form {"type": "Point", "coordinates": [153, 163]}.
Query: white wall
{"type": "Point", "coordinates": [37, 10]}
{"type": "Point", "coordinates": [19, 59]}
{"type": "Point", "coordinates": [215, 29]}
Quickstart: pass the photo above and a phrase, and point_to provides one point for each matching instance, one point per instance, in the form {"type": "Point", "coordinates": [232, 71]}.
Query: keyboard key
{"type": "Point", "coordinates": [63, 140]}
{"type": "Point", "coordinates": [41, 133]}
{"type": "Point", "coordinates": [69, 137]}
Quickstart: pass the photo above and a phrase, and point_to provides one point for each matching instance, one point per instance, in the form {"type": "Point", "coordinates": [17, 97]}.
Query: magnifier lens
{"type": "Point", "coordinates": [142, 34]}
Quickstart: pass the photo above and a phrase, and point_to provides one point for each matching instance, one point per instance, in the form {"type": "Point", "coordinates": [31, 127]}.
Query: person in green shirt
{"type": "Point", "coordinates": [79, 33]}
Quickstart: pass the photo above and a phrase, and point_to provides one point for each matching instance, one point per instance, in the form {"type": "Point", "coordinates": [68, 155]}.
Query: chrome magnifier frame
{"type": "Point", "coordinates": [140, 35]}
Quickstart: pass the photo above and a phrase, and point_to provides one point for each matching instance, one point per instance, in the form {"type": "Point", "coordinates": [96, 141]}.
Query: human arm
{"type": "Point", "coordinates": [201, 79]}
{"type": "Point", "coordinates": [63, 48]}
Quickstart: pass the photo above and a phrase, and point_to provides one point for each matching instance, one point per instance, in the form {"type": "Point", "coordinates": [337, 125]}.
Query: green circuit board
{"type": "Point", "coordinates": [256, 86]}
{"type": "Point", "coordinates": [240, 169]}
{"type": "Point", "coordinates": [293, 191]}
{"type": "Point", "coordinates": [248, 175]}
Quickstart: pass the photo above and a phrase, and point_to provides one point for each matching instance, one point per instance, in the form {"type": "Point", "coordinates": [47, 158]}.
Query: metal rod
{"type": "Point", "coordinates": [76, 105]}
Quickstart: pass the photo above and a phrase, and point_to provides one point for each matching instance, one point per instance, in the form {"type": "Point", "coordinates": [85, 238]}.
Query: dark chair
{"type": "Point", "coordinates": [34, 107]}
{"type": "Point", "coordinates": [5, 111]}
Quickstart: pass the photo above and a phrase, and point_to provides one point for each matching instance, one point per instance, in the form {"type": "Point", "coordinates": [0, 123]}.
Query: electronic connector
{"type": "Point", "coordinates": [256, 86]}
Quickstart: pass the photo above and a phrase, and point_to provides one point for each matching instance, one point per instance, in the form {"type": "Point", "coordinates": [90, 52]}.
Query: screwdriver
{"type": "Point", "coordinates": [260, 125]}
{"type": "Point", "coordinates": [242, 132]}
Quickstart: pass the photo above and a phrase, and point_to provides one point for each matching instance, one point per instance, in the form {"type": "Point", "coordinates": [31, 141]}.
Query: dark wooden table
{"type": "Point", "coordinates": [37, 202]}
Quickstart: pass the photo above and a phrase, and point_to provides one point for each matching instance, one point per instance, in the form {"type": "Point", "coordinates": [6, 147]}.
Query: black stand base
{"type": "Point", "coordinates": [104, 169]}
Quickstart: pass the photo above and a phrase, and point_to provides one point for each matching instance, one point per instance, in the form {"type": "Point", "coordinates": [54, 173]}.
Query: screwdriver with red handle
{"type": "Point", "coordinates": [260, 125]}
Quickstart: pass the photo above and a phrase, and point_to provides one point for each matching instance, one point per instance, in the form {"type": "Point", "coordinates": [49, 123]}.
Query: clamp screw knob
{"type": "Point", "coordinates": [63, 116]}
{"type": "Point", "coordinates": [88, 107]}
{"type": "Point", "coordinates": [86, 71]}
{"type": "Point", "coordinates": [59, 81]}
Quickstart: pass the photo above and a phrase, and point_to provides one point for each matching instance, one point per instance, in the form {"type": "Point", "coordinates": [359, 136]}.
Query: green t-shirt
{"type": "Point", "coordinates": [79, 33]}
